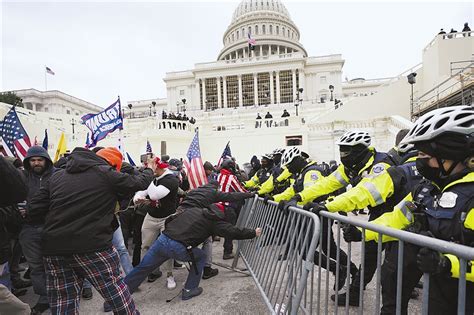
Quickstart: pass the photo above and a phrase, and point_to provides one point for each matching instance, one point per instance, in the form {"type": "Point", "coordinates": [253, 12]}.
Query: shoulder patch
{"type": "Point", "coordinates": [314, 176]}
{"type": "Point", "coordinates": [378, 169]}
{"type": "Point", "coordinates": [448, 200]}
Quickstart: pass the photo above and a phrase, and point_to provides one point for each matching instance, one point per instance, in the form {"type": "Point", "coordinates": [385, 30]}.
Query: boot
{"type": "Point", "coordinates": [342, 278]}
{"type": "Point", "coordinates": [209, 273]}
{"type": "Point", "coordinates": [21, 284]}
{"type": "Point", "coordinates": [154, 275]}
{"type": "Point", "coordinates": [87, 293]}
{"type": "Point", "coordinates": [228, 256]}
{"type": "Point", "coordinates": [353, 297]}
{"type": "Point", "coordinates": [189, 294]}
{"type": "Point", "coordinates": [39, 308]}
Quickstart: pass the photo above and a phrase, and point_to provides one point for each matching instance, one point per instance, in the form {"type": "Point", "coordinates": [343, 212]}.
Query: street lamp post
{"type": "Point", "coordinates": [299, 99]}
{"type": "Point", "coordinates": [331, 88]}
{"type": "Point", "coordinates": [411, 79]}
{"type": "Point", "coordinates": [73, 123]}
{"type": "Point", "coordinates": [154, 107]}
{"type": "Point", "coordinates": [130, 107]}
{"type": "Point", "coordinates": [150, 110]}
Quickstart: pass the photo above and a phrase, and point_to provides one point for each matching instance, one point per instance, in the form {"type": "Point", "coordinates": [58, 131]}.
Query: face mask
{"type": "Point", "coordinates": [428, 172]}
{"type": "Point", "coordinates": [353, 160]}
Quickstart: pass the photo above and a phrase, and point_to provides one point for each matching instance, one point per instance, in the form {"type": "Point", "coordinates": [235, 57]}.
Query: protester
{"type": "Point", "coordinates": [162, 200]}
{"type": "Point", "coordinates": [183, 233]}
{"type": "Point", "coordinates": [14, 190]}
{"type": "Point", "coordinates": [79, 203]}
{"type": "Point", "coordinates": [38, 169]}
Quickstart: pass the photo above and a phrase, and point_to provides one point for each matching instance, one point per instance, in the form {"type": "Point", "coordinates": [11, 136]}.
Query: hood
{"type": "Point", "coordinates": [213, 213]}
{"type": "Point", "coordinates": [36, 151]}
{"type": "Point", "coordinates": [255, 162]}
{"type": "Point", "coordinates": [82, 159]}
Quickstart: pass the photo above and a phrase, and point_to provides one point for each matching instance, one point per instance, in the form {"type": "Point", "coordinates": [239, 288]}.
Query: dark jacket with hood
{"type": "Point", "coordinates": [36, 181]}
{"type": "Point", "coordinates": [79, 203]}
{"type": "Point", "coordinates": [194, 225]}
{"type": "Point", "coordinates": [14, 189]}
{"type": "Point", "coordinates": [204, 196]}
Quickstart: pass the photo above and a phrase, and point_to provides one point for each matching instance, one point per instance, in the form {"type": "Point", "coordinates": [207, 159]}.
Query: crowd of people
{"type": "Point", "coordinates": [76, 221]}
{"type": "Point", "coordinates": [465, 28]}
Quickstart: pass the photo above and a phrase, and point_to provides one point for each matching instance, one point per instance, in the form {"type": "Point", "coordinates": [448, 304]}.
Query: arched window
{"type": "Point", "coordinates": [263, 29]}
{"type": "Point", "coordinates": [243, 32]}
{"type": "Point", "coordinates": [250, 30]}
{"type": "Point", "coordinates": [277, 30]}
{"type": "Point", "coordinates": [271, 29]}
{"type": "Point", "coordinates": [283, 31]}
{"type": "Point", "coordinates": [256, 29]}
{"type": "Point", "coordinates": [232, 36]}
{"type": "Point", "coordinates": [288, 33]}
{"type": "Point", "coordinates": [238, 34]}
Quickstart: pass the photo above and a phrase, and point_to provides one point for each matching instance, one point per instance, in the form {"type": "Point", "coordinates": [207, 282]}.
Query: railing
{"type": "Point", "coordinates": [462, 75]}
{"type": "Point", "coordinates": [448, 36]}
{"type": "Point", "coordinates": [283, 264]}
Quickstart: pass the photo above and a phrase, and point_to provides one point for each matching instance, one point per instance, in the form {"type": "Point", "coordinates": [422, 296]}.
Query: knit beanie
{"type": "Point", "coordinates": [112, 156]}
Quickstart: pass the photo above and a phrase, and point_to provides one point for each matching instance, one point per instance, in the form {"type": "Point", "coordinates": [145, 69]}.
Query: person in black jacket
{"type": "Point", "coordinates": [38, 169]}
{"type": "Point", "coordinates": [183, 233]}
{"type": "Point", "coordinates": [79, 203]}
{"type": "Point", "coordinates": [203, 197]}
{"type": "Point", "coordinates": [14, 189]}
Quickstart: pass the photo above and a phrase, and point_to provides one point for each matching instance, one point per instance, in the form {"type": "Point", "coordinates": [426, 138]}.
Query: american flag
{"type": "Point", "coordinates": [15, 140]}
{"type": "Point", "coordinates": [225, 155]}
{"type": "Point", "coordinates": [48, 70]}
{"type": "Point", "coordinates": [195, 169]}
{"type": "Point", "coordinates": [252, 42]}
{"type": "Point", "coordinates": [148, 147]}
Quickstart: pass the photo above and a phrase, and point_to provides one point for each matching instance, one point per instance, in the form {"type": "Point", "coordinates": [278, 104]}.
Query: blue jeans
{"type": "Point", "coordinates": [119, 245]}
{"type": "Point", "coordinates": [5, 275]}
{"type": "Point", "coordinates": [165, 248]}
{"type": "Point", "coordinates": [30, 240]}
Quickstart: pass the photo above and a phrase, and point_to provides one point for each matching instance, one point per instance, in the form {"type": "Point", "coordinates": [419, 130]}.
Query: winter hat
{"type": "Point", "coordinates": [160, 164]}
{"type": "Point", "coordinates": [112, 156]}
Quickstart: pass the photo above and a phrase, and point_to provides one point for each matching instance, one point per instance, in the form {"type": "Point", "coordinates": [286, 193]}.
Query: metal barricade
{"type": "Point", "coordinates": [280, 260]}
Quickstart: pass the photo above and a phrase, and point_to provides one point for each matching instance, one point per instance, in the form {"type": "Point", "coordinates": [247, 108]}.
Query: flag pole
{"type": "Point", "coordinates": [45, 79]}
{"type": "Point", "coordinates": [122, 149]}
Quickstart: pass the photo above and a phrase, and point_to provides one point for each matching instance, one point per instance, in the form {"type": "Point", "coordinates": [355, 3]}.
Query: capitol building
{"type": "Point", "coordinates": [242, 95]}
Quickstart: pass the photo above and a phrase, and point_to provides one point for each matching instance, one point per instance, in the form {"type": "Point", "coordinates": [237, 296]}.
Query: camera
{"type": "Point", "coordinates": [145, 157]}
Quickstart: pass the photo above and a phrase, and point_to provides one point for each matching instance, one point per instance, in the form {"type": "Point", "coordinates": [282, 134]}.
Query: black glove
{"type": "Point", "coordinates": [432, 262]}
{"type": "Point", "coordinates": [309, 206]}
{"type": "Point", "coordinates": [351, 234]}
{"type": "Point", "coordinates": [318, 207]}
{"type": "Point", "coordinates": [284, 206]}
{"type": "Point", "coordinates": [266, 198]}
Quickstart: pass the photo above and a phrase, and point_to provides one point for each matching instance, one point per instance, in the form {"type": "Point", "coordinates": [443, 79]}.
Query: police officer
{"type": "Point", "coordinates": [262, 175]}
{"type": "Point", "coordinates": [280, 176]}
{"type": "Point", "coordinates": [359, 160]}
{"type": "Point", "coordinates": [440, 206]}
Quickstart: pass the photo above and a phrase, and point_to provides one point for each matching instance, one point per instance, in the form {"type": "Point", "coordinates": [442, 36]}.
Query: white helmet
{"type": "Point", "coordinates": [278, 151]}
{"type": "Point", "coordinates": [290, 155]}
{"type": "Point", "coordinates": [267, 156]}
{"type": "Point", "coordinates": [454, 119]}
{"type": "Point", "coordinates": [355, 137]}
{"type": "Point", "coordinates": [404, 147]}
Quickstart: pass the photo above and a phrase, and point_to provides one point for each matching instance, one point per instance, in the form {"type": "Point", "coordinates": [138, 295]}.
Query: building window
{"type": "Point", "coordinates": [277, 30]}
{"type": "Point", "coordinates": [286, 87]}
{"type": "Point", "coordinates": [323, 97]}
{"type": "Point", "coordinates": [298, 79]}
{"type": "Point", "coordinates": [288, 33]}
{"type": "Point", "coordinates": [275, 87]}
{"type": "Point", "coordinates": [263, 82]}
{"type": "Point", "coordinates": [200, 95]}
{"type": "Point", "coordinates": [68, 112]}
{"type": "Point", "coordinates": [232, 83]}
{"type": "Point", "coordinates": [294, 140]}
{"type": "Point", "coordinates": [271, 29]}
{"type": "Point", "coordinates": [232, 36]}
{"type": "Point", "coordinates": [248, 98]}
{"type": "Point", "coordinates": [243, 32]}
{"type": "Point", "coordinates": [250, 30]}
{"type": "Point", "coordinates": [323, 79]}
{"type": "Point", "coordinates": [263, 29]}
{"type": "Point", "coordinates": [181, 92]}
{"type": "Point", "coordinates": [238, 34]}
{"type": "Point", "coordinates": [222, 92]}
{"type": "Point", "coordinates": [256, 29]}
{"type": "Point", "coordinates": [211, 93]}
{"type": "Point", "coordinates": [283, 31]}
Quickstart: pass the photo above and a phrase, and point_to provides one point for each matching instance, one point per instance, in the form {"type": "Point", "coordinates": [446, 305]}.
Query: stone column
{"type": "Point", "coordinates": [255, 87]}
{"type": "Point", "coordinates": [272, 95]}
{"type": "Point", "coordinates": [195, 104]}
{"type": "Point", "coordinates": [293, 72]}
{"type": "Point", "coordinates": [219, 99]}
{"type": "Point", "coordinates": [204, 103]}
{"type": "Point", "coordinates": [261, 50]}
{"type": "Point", "coordinates": [269, 50]}
{"type": "Point", "coordinates": [224, 87]}
{"type": "Point", "coordinates": [278, 87]}
{"type": "Point", "coordinates": [301, 79]}
{"type": "Point", "coordinates": [286, 50]}
{"type": "Point", "coordinates": [240, 90]}
{"type": "Point", "coordinates": [278, 49]}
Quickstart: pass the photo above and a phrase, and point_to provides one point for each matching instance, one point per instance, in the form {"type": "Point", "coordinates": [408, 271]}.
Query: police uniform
{"type": "Point", "coordinates": [260, 177]}
{"type": "Point", "coordinates": [449, 215]}
{"type": "Point", "coordinates": [278, 181]}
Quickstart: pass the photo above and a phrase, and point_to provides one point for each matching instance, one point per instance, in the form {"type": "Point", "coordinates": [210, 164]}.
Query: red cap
{"type": "Point", "coordinates": [160, 164]}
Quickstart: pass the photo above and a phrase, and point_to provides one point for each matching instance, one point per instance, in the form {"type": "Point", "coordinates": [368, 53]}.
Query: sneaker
{"type": "Point", "coordinates": [87, 293]}
{"type": "Point", "coordinates": [19, 292]}
{"type": "Point", "coordinates": [154, 275]}
{"type": "Point", "coordinates": [228, 256]}
{"type": "Point", "coordinates": [170, 283]}
{"type": "Point", "coordinates": [178, 265]}
{"type": "Point", "coordinates": [209, 272]}
{"type": "Point", "coordinates": [21, 284]}
{"type": "Point", "coordinates": [26, 275]}
{"type": "Point", "coordinates": [189, 294]}
{"type": "Point", "coordinates": [39, 308]}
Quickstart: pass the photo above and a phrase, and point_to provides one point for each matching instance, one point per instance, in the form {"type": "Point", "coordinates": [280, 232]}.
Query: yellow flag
{"type": "Point", "coordinates": [61, 147]}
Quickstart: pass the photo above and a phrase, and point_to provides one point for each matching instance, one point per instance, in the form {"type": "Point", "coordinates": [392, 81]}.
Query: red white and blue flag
{"type": "Point", "coordinates": [194, 167]}
{"type": "Point", "coordinates": [14, 138]}
{"type": "Point", "coordinates": [48, 70]}
{"type": "Point", "coordinates": [252, 42]}
{"type": "Point", "coordinates": [148, 147]}
{"type": "Point", "coordinates": [225, 155]}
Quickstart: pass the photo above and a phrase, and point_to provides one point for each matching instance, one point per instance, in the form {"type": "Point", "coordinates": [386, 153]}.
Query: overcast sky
{"type": "Point", "coordinates": [103, 49]}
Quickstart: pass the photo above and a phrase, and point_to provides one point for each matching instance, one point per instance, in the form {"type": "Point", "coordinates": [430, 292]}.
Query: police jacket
{"type": "Point", "coordinates": [342, 177]}
{"type": "Point", "coordinates": [195, 225]}
{"type": "Point", "coordinates": [278, 181]}
{"type": "Point", "coordinates": [449, 214]}
{"type": "Point", "coordinates": [259, 178]}
{"type": "Point", "coordinates": [309, 176]}
{"type": "Point", "coordinates": [387, 188]}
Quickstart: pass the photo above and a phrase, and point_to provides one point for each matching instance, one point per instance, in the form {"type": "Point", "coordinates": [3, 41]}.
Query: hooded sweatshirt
{"type": "Point", "coordinates": [79, 203]}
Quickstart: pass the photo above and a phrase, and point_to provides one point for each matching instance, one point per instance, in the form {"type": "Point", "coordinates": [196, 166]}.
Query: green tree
{"type": "Point", "coordinates": [11, 98]}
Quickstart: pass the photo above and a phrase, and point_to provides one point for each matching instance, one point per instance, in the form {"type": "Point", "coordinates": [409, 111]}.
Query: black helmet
{"type": "Point", "coordinates": [228, 164]}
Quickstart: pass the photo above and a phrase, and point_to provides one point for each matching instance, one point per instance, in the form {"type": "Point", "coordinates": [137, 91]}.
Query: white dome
{"type": "Point", "coordinates": [249, 6]}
